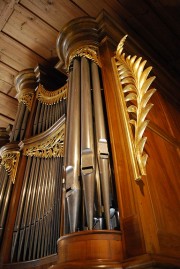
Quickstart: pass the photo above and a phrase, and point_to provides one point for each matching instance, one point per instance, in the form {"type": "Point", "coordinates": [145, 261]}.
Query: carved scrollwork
{"type": "Point", "coordinates": [26, 97]}
{"type": "Point", "coordinates": [51, 97]}
{"type": "Point", "coordinates": [10, 160]}
{"type": "Point", "coordinates": [48, 144]}
{"type": "Point", "coordinates": [135, 93]}
{"type": "Point", "coordinates": [90, 52]}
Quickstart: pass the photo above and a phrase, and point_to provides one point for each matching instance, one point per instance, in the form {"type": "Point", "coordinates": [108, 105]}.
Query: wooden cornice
{"type": "Point", "coordinates": [87, 31]}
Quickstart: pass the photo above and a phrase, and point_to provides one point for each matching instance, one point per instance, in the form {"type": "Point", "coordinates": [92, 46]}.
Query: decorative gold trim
{"type": "Point", "coordinates": [48, 144]}
{"type": "Point", "coordinates": [26, 97]}
{"type": "Point", "coordinates": [90, 52]}
{"type": "Point", "coordinates": [135, 94]}
{"type": "Point", "coordinates": [10, 160]}
{"type": "Point", "coordinates": [51, 97]}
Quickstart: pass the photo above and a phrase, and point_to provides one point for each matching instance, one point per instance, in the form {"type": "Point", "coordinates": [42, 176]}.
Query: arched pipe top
{"type": "Point", "coordinates": [78, 33]}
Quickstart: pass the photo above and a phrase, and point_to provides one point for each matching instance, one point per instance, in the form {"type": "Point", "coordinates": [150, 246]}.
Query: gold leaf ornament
{"type": "Point", "coordinates": [134, 84]}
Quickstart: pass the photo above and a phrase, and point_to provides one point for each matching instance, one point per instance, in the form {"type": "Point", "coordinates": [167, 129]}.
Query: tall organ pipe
{"type": "Point", "coordinates": [73, 148]}
{"type": "Point", "coordinates": [102, 147]}
{"type": "Point", "coordinates": [87, 143]}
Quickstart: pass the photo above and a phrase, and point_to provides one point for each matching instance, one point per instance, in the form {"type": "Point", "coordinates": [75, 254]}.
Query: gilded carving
{"type": "Point", "coordinates": [89, 52]}
{"type": "Point", "coordinates": [49, 146]}
{"type": "Point", "coordinates": [26, 97]}
{"type": "Point", "coordinates": [51, 97]}
{"type": "Point", "coordinates": [10, 160]}
{"type": "Point", "coordinates": [134, 93]}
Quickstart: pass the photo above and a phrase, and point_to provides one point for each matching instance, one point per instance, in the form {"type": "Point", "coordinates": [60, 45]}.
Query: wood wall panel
{"type": "Point", "coordinates": [6, 9]}
{"type": "Point", "coordinates": [49, 11]}
{"type": "Point", "coordinates": [163, 172]}
{"type": "Point", "coordinates": [21, 58]}
{"type": "Point", "coordinates": [158, 115]}
{"type": "Point", "coordinates": [4, 100]}
{"type": "Point", "coordinates": [3, 123]}
{"type": "Point", "coordinates": [5, 86]}
{"type": "Point", "coordinates": [32, 32]}
{"type": "Point", "coordinates": [145, 15]}
{"type": "Point", "coordinates": [173, 116]}
{"type": "Point", "coordinates": [7, 76]}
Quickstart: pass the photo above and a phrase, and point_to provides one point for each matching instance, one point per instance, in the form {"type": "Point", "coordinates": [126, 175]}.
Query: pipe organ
{"type": "Point", "coordinates": [74, 172]}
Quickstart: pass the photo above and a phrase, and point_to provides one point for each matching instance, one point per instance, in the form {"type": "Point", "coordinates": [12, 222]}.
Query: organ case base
{"type": "Point", "coordinates": [90, 249]}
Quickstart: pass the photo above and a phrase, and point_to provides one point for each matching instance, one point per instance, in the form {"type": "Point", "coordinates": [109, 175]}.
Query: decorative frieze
{"type": "Point", "coordinates": [51, 97]}
{"type": "Point", "coordinates": [47, 144]}
{"type": "Point", "coordinates": [90, 52]}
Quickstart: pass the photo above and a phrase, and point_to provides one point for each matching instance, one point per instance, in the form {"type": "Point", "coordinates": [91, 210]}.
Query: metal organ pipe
{"type": "Point", "coordinates": [87, 143]}
{"type": "Point", "coordinates": [73, 150]}
{"type": "Point", "coordinates": [92, 159]}
{"type": "Point", "coordinates": [102, 147]}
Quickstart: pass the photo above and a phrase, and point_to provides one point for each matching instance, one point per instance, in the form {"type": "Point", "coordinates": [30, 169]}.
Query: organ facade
{"type": "Point", "coordinates": [91, 168]}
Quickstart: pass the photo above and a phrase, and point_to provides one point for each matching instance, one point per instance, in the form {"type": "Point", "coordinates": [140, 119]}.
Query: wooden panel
{"type": "Point", "coordinates": [163, 170]}
{"type": "Point", "coordinates": [6, 8]}
{"type": "Point", "coordinates": [113, 7]}
{"type": "Point", "coordinates": [157, 114]}
{"type": "Point", "coordinates": [12, 92]}
{"type": "Point", "coordinates": [173, 115]}
{"type": "Point", "coordinates": [7, 75]}
{"type": "Point", "coordinates": [5, 86]}
{"type": "Point", "coordinates": [29, 30]}
{"type": "Point", "coordinates": [50, 11]}
{"type": "Point", "coordinates": [16, 55]}
{"type": "Point", "coordinates": [5, 103]}
{"type": "Point", "coordinates": [3, 123]}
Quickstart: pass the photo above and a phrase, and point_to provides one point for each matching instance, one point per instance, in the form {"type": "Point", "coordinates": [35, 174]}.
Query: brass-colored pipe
{"type": "Point", "coordinates": [53, 114]}
{"type": "Point", "coordinates": [24, 123]}
{"type": "Point", "coordinates": [4, 179]}
{"type": "Point", "coordinates": [41, 118]}
{"type": "Point", "coordinates": [44, 118]}
{"type": "Point", "coordinates": [29, 219]}
{"type": "Point", "coordinates": [35, 125]}
{"type": "Point", "coordinates": [35, 219]}
{"type": "Point", "coordinates": [20, 209]}
{"type": "Point", "coordinates": [19, 121]}
{"type": "Point", "coordinates": [15, 123]}
{"type": "Point", "coordinates": [102, 146]}
{"type": "Point", "coordinates": [98, 198]}
{"type": "Point", "coordinates": [26, 208]}
{"type": "Point", "coordinates": [5, 202]}
{"type": "Point", "coordinates": [87, 142]}
{"type": "Point", "coordinates": [48, 118]}
{"type": "Point", "coordinates": [73, 149]}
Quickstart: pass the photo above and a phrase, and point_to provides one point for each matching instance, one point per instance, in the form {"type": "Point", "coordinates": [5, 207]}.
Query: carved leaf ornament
{"type": "Point", "coordinates": [135, 84]}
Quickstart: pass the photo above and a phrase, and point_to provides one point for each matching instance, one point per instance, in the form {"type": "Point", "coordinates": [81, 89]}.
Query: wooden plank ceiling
{"type": "Point", "coordinates": [29, 28]}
